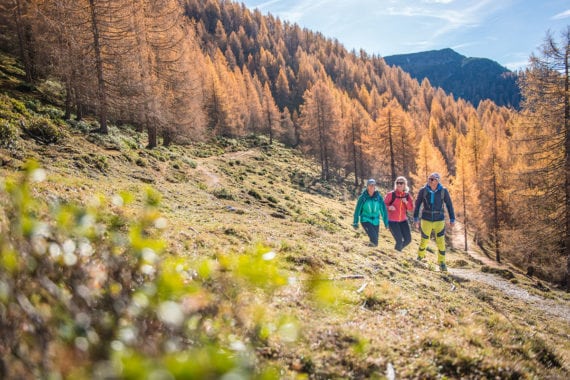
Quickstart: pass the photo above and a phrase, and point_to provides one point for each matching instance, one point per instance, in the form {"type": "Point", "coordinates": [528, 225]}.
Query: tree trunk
{"type": "Point", "coordinates": [68, 99]}
{"type": "Point", "coordinates": [465, 219]}
{"type": "Point", "coordinates": [269, 124]}
{"type": "Point", "coordinates": [567, 148]}
{"type": "Point", "coordinates": [320, 126]}
{"type": "Point", "coordinates": [496, 214]}
{"type": "Point", "coordinates": [167, 137]}
{"type": "Point", "coordinates": [354, 152]}
{"type": "Point", "coordinates": [152, 137]}
{"type": "Point", "coordinates": [152, 133]}
{"type": "Point", "coordinates": [22, 41]}
{"type": "Point", "coordinates": [391, 143]}
{"type": "Point", "coordinates": [78, 105]}
{"type": "Point", "coordinates": [99, 66]}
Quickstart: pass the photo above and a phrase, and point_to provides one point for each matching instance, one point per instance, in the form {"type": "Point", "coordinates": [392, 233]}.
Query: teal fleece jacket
{"type": "Point", "coordinates": [369, 208]}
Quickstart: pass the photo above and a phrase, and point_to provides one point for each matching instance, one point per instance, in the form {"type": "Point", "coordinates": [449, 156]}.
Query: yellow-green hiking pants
{"type": "Point", "coordinates": [426, 228]}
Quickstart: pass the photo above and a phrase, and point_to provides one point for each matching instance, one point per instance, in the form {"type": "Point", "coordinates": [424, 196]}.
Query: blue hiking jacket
{"type": "Point", "coordinates": [433, 202]}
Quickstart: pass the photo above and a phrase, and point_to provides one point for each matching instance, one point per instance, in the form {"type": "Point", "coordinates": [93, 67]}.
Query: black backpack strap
{"type": "Point", "coordinates": [407, 197]}
{"type": "Point", "coordinates": [393, 197]}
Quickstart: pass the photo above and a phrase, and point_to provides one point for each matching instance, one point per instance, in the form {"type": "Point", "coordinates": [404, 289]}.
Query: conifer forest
{"type": "Point", "coordinates": [198, 74]}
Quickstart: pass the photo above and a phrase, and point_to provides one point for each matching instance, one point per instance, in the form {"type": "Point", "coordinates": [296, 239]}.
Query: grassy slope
{"type": "Point", "coordinates": [227, 197]}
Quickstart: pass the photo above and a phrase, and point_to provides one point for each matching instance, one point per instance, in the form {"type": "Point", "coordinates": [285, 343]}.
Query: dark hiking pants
{"type": "Point", "coordinates": [402, 234]}
{"type": "Point", "coordinates": [372, 232]}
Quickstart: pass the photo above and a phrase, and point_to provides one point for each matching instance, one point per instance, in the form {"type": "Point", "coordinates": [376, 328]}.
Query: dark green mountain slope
{"type": "Point", "coordinates": [472, 79]}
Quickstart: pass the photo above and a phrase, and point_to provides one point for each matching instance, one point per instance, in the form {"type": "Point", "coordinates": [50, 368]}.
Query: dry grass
{"type": "Point", "coordinates": [371, 308]}
{"type": "Point", "coordinates": [423, 323]}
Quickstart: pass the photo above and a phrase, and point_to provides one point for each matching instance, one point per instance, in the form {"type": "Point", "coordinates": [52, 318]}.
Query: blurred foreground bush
{"type": "Point", "coordinates": [86, 292]}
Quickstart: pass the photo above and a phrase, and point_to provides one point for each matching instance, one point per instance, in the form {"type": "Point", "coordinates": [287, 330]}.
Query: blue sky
{"type": "Point", "coordinates": [506, 31]}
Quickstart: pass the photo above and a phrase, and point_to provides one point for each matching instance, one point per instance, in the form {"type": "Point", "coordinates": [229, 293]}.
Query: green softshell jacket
{"type": "Point", "coordinates": [369, 208]}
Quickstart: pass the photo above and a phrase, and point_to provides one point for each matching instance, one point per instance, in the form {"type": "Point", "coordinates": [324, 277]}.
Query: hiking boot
{"type": "Point", "coordinates": [420, 259]}
{"type": "Point", "coordinates": [370, 244]}
{"type": "Point", "coordinates": [443, 267]}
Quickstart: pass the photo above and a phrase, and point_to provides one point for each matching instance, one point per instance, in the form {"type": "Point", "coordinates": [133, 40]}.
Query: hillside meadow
{"type": "Point", "coordinates": [231, 259]}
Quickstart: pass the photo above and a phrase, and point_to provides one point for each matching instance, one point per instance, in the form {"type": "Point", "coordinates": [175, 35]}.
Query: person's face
{"type": "Point", "coordinates": [433, 182]}
{"type": "Point", "coordinates": [371, 188]}
{"type": "Point", "coordinates": [400, 185]}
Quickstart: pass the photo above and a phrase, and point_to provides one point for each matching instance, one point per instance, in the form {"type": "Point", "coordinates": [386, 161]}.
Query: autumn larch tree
{"type": "Point", "coordinates": [96, 12]}
{"type": "Point", "coordinates": [428, 159]}
{"type": "Point", "coordinates": [320, 117]}
{"type": "Point", "coordinates": [466, 188]}
{"type": "Point", "coordinates": [357, 121]}
{"type": "Point", "coordinates": [270, 114]}
{"type": "Point", "coordinates": [544, 138]}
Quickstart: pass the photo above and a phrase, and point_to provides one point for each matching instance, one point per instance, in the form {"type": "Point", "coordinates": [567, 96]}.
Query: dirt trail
{"type": "Point", "coordinates": [207, 166]}
{"type": "Point", "coordinates": [560, 309]}
{"type": "Point", "coordinates": [551, 307]}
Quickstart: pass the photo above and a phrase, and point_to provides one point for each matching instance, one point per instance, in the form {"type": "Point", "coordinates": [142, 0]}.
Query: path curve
{"type": "Point", "coordinates": [549, 306]}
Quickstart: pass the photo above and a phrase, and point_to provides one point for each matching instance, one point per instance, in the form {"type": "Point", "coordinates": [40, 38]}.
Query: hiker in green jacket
{"type": "Point", "coordinates": [368, 209]}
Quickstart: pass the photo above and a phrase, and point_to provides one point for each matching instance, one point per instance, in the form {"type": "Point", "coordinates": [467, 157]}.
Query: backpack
{"type": "Point", "coordinates": [393, 199]}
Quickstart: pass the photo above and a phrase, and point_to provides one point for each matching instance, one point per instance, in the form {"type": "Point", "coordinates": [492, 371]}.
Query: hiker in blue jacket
{"type": "Point", "coordinates": [368, 209]}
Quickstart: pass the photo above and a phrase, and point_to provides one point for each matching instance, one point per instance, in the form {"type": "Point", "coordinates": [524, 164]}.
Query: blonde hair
{"type": "Point", "coordinates": [407, 189]}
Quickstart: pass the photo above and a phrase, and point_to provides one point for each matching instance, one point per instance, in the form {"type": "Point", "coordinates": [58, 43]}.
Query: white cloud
{"type": "Point", "coordinates": [266, 4]}
{"type": "Point", "coordinates": [462, 16]}
{"type": "Point", "coordinates": [562, 15]}
{"type": "Point", "coordinates": [516, 66]}
{"type": "Point", "coordinates": [303, 8]}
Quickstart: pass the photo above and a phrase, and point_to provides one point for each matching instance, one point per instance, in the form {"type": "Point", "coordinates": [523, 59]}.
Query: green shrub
{"type": "Point", "coordinates": [80, 125]}
{"type": "Point", "coordinates": [52, 91]}
{"type": "Point", "coordinates": [12, 109]}
{"type": "Point", "coordinates": [33, 105]}
{"type": "Point", "coordinates": [8, 134]}
{"type": "Point", "coordinates": [19, 107]}
{"type": "Point", "coordinates": [96, 282]}
{"type": "Point", "coordinates": [223, 193]}
{"type": "Point", "coordinates": [190, 162]}
{"type": "Point", "coordinates": [43, 130]}
{"type": "Point", "coordinates": [141, 162]}
{"type": "Point", "coordinates": [254, 194]}
{"type": "Point", "coordinates": [53, 113]}
{"type": "Point", "coordinates": [96, 162]}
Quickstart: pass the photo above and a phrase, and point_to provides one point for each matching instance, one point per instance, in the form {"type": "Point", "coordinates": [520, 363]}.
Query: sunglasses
{"type": "Point", "coordinates": [399, 183]}
{"type": "Point", "coordinates": [433, 179]}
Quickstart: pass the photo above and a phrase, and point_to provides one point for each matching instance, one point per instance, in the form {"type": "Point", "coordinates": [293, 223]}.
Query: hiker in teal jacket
{"type": "Point", "coordinates": [369, 207]}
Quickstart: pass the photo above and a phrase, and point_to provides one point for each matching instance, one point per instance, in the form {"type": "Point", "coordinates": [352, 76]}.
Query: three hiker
{"type": "Point", "coordinates": [369, 208]}
{"type": "Point", "coordinates": [431, 200]}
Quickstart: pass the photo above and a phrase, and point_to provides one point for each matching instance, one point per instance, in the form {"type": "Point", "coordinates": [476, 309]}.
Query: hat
{"type": "Point", "coordinates": [435, 175]}
{"type": "Point", "coordinates": [371, 181]}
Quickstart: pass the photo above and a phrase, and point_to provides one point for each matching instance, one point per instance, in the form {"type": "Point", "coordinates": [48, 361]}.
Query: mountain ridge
{"type": "Point", "coordinates": [471, 78]}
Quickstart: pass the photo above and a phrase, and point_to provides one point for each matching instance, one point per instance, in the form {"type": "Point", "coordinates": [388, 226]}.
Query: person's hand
{"type": "Point", "coordinates": [417, 225]}
{"type": "Point", "coordinates": [392, 208]}
{"type": "Point", "coordinates": [405, 201]}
